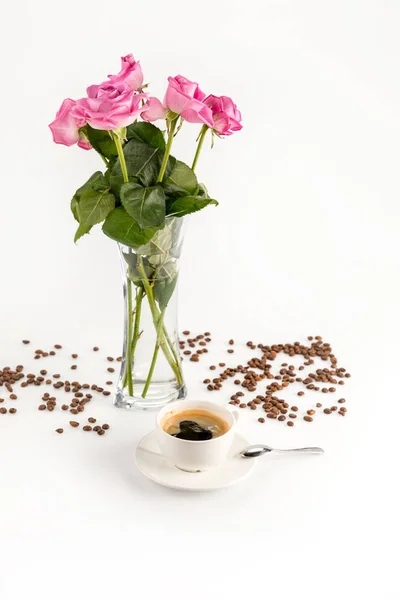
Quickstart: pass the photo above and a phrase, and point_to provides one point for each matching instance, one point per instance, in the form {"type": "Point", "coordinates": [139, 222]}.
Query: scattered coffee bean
{"type": "Point", "coordinates": [57, 347]}
{"type": "Point", "coordinates": [327, 411]}
{"type": "Point", "coordinates": [74, 423]}
{"type": "Point", "coordinates": [341, 401]}
{"type": "Point", "coordinates": [290, 423]}
{"type": "Point", "coordinates": [26, 341]}
{"type": "Point", "coordinates": [318, 405]}
{"type": "Point", "coordinates": [231, 351]}
{"type": "Point", "coordinates": [101, 432]}
{"type": "Point", "coordinates": [59, 430]}
{"type": "Point", "coordinates": [13, 397]}
{"type": "Point", "coordinates": [110, 370]}
{"type": "Point", "coordinates": [106, 426]}
{"type": "Point", "coordinates": [92, 420]}
{"type": "Point", "coordinates": [87, 428]}
{"type": "Point", "coordinates": [73, 367]}
{"type": "Point", "coordinates": [308, 419]}
{"type": "Point", "coordinates": [3, 410]}
{"type": "Point", "coordinates": [12, 411]}
{"type": "Point", "coordinates": [95, 349]}
{"type": "Point", "coordinates": [74, 355]}
{"type": "Point", "coordinates": [42, 407]}
{"type": "Point", "coordinates": [261, 420]}
{"type": "Point", "coordinates": [186, 332]}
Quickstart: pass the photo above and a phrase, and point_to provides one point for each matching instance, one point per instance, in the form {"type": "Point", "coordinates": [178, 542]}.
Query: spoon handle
{"type": "Point", "coordinates": [312, 450]}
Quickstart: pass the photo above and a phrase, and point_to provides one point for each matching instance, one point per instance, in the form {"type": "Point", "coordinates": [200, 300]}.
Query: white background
{"type": "Point", "coordinates": [305, 241]}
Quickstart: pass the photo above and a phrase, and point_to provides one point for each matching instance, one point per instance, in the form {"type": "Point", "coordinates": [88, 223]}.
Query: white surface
{"type": "Point", "coordinates": [305, 240]}
{"type": "Point", "coordinates": [154, 465]}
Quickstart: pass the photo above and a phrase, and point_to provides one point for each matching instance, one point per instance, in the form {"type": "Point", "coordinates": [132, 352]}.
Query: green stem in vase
{"type": "Point", "coordinates": [202, 135]}
{"type": "Point", "coordinates": [155, 353]}
{"type": "Point", "coordinates": [136, 335]}
{"type": "Point", "coordinates": [129, 337]}
{"type": "Point", "coordinates": [167, 149]}
{"type": "Point", "coordinates": [175, 366]}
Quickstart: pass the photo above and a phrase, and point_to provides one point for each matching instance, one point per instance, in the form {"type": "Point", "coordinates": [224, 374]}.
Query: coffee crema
{"type": "Point", "coordinates": [194, 424]}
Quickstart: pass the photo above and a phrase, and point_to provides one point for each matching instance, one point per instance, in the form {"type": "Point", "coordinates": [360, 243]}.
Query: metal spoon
{"type": "Point", "coordinates": [260, 449]}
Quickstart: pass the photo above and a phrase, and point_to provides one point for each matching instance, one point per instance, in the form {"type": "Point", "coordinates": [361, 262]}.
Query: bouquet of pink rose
{"type": "Point", "coordinates": [144, 191]}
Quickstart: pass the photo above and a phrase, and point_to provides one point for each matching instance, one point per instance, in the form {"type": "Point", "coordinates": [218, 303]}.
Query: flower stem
{"type": "Point", "coordinates": [129, 337]}
{"type": "Point", "coordinates": [175, 366]}
{"type": "Point", "coordinates": [159, 328]}
{"type": "Point", "coordinates": [202, 135]}
{"type": "Point", "coordinates": [134, 341]}
{"type": "Point", "coordinates": [121, 157]}
{"type": "Point", "coordinates": [167, 149]}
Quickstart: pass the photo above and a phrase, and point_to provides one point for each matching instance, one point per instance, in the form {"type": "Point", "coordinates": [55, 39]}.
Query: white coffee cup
{"type": "Point", "coordinates": [195, 456]}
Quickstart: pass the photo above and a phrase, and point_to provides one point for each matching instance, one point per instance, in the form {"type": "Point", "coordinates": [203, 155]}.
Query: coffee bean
{"type": "Point", "coordinates": [56, 375]}
{"type": "Point", "coordinates": [281, 418]}
{"type": "Point", "coordinates": [96, 428]}
{"type": "Point", "coordinates": [271, 415]}
{"type": "Point", "coordinates": [333, 408]}
{"type": "Point", "coordinates": [294, 408]}
{"type": "Point", "coordinates": [231, 342]}
{"type": "Point", "coordinates": [110, 358]}
{"type": "Point", "coordinates": [42, 407]}
{"type": "Point", "coordinates": [73, 411]}
{"type": "Point", "coordinates": [74, 355]}
{"type": "Point", "coordinates": [92, 420]}
{"type": "Point", "coordinates": [65, 407]}
{"type": "Point", "coordinates": [308, 419]}
{"type": "Point", "coordinates": [186, 332]}
{"type": "Point", "coordinates": [231, 351]}
{"type": "Point", "coordinates": [242, 405]}
{"type": "Point", "coordinates": [59, 430]}
{"type": "Point", "coordinates": [221, 364]}
{"type": "Point", "coordinates": [101, 432]}
{"type": "Point", "coordinates": [341, 401]}
{"type": "Point", "coordinates": [293, 415]}
{"type": "Point", "coordinates": [300, 393]}
{"type": "Point", "coordinates": [3, 410]}
{"type": "Point", "coordinates": [74, 423]}
{"type": "Point", "coordinates": [106, 393]}
{"type": "Point", "coordinates": [290, 423]}
{"type": "Point", "coordinates": [318, 405]}
{"type": "Point", "coordinates": [311, 412]}
{"type": "Point", "coordinates": [13, 397]}
{"type": "Point", "coordinates": [109, 382]}
{"type": "Point", "coordinates": [332, 389]}
{"type": "Point", "coordinates": [327, 411]}
{"type": "Point", "coordinates": [57, 346]}
{"type": "Point", "coordinates": [110, 370]}
{"type": "Point", "coordinates": [95, 349]}
{"type": "Point", "coordinates": [261, 420]}
{"type": "Point", "coordinates": [212, 368]}
{"type": "Point", "coordinates": [73, 367]}
{"type": "Point", "coordinates": [187, 352]}
{"type": "Point", "coordinates": [87, 428]}
{"type": "Point", "coordinates": [324, 390]}
{"type": "Point", "coordinates": [106, 426]}
{"type": "Point", "coordinates": [52, 353]}
{"type": "Point", "coordinates": [12, 411]}
{"type": "Point", "coordinates": [26, 341]}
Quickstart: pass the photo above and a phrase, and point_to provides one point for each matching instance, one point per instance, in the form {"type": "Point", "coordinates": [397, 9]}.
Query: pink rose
{"type": "Point", "coordinates": [130, 73]}
{"type": "Point", "coordinates": [225, 113]}
{"type": "Point", "coordinates": [184, 98]}
{"type": "Point", "coordinates": [109, 105]}
{"type": "Point", "coordinates": [65, 127]}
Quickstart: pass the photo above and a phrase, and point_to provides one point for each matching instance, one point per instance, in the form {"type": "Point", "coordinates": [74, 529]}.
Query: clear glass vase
{"type": "Point", "coordinates": [151, 373]}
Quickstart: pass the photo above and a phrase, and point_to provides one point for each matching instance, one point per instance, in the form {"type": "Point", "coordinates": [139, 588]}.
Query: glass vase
{"type": "Point", "coordinates": [151, 373]}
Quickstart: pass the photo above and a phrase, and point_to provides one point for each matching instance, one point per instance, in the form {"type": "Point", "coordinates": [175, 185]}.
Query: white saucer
{"type": "Point", "coordinates": [153, 465]}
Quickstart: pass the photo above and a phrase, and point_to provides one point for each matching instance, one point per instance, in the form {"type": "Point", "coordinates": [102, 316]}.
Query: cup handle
{"type": "Point", "coordinates": [235, 413]}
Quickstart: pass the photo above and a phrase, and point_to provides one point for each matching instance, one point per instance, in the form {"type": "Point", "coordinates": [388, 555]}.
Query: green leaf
{"type": "Point", "coordinates": [97, 182]}
{"type": "Point", "coordinates": [81, 231]}
{"type": "Point", "coordinates": [133, 272]}
{"type": "Point", "coordinates": [165, 287]}
{"type": "Point", "coordinates": [143, 163]}
{"type": "Point", "coordinates": [101, 141]}
{"type": "Point", "coordinates": [94, 206]}
{"type": "Point", "coordinates": [179, 207]}
{"type": "Point", "coordinates": [119, 226]}
{"type": "Point", "coordinates": [145, 204]}
{"type": "Point", "coordinates": [182, 181]}
{"type": "Point", "coordinates": [147, 133]}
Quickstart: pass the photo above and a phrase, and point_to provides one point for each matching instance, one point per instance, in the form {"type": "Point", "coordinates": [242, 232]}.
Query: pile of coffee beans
{"type": "Point", "coordinates": [200, 340]}
{"type": "Point", "coordinates": [9, 378]}
{"type": "Point", "coordinates": [259, 372]}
